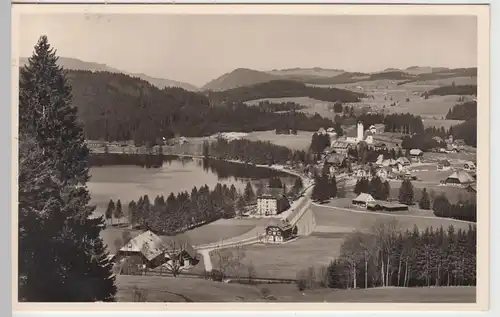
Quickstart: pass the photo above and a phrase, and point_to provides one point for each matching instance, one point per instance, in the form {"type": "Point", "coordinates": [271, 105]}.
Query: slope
{"type": "Point", "coordinates": [238, 78]}
{"type": "Point", "coordinates": [76, 64]}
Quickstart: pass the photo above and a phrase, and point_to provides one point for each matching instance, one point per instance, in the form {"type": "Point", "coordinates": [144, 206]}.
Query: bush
{"type": "Point", "coordinates": [217, 275]}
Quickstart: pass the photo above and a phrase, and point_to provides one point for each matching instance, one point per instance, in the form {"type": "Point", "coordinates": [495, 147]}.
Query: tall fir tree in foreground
{"type": "Point", "coordinates": [62, 257]}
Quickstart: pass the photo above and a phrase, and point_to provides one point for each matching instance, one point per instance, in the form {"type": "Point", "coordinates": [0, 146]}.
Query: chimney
{"type": "Point", "coordinates": [360, 131]}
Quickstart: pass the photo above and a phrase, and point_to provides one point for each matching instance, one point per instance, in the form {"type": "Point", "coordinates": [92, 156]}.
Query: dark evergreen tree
{"type": "Point", "coordinates": [62, 256]}
{"type": "Point", "coordinates": [249, 194]}
{"type": "Point", "coordinates": [132, 213]}
{"type": "Point", "coordinates": [110, 210]}
{"type": "Point", "coordinates": [424, 202]}
{"type": "Point", "coordinates": [406, 194]}
{"type": "Point", "coordinates": [118, 210]}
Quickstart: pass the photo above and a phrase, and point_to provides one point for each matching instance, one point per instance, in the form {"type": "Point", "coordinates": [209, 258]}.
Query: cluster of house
{"type": "Point", "coordinates": [367, 201]}
{"type": "Point", "coordinates": [451, 145]}
{"type": "Point", "coordinates": [341, 145]}
{"type": "Point", "coordinates": [149, 250]}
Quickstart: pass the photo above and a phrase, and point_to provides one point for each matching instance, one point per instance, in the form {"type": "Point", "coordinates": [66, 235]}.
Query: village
{"type": "Point", "coordinates": [438, 169]}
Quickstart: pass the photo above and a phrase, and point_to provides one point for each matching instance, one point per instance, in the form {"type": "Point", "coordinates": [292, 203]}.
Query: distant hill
{"type": "Point", "coordinates": [238, 78]}
{"type": "Point", "coordinates": [76, 64]}
{"type": "Point", "coordinates": [425, 69]}
{"type": "Point", "coordinates": [280, 89]}
{"type": "Point", "coordinates": [241, 77]}
{"type": "Point", "coordinates": [306, 72]}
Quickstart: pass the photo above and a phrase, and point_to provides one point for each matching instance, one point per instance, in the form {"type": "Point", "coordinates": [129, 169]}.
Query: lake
{"type": "Point", "coordinates": [127, 181]}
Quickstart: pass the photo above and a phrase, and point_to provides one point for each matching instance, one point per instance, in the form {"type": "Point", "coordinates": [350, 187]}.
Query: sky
{"type": "Point", "coordinates": [198, 48]}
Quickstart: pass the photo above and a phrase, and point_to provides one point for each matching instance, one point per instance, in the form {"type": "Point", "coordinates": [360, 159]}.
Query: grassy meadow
{"type": "Point", "coordinates": [169, 289]}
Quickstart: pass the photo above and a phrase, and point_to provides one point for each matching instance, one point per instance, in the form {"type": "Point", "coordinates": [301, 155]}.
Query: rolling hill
{"type": "Point", "coordinates": [238, 78]}
{"type": "Point", "coordinates": [76, 64]}
{"type": "Point", "coordinates": [283, 88]}
{"type": "Point", "coordinates": [305, 73]}
{"type": "Point", "coordinates": [242, 77]}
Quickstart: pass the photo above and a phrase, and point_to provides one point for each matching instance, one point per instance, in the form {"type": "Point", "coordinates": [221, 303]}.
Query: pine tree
{"type": "Point", "coordinates": [62, 243]}
{"type": "Point", "coordinates": [406, 194]}
{"type": "Point", "coordinates": [424, 202]}
{"type": "Point", "coordinates": [110, 210]}
{"type": "Point", "coordinates": [118, 210]}
{"type": "Point", "coordinates": [132, 213]}
{"type": "Point", "coordinates": [240, 205]}
{"type": "Point", "coordinates": [249, 195]}
{"type": "Point", "coordinates": [332, 186]}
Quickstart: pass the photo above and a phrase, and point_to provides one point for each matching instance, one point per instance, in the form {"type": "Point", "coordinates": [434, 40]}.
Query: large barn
{"type": "Point", "coordinates": [363, 200]}
{"type": "Point", "coordinates": [461, 178]}
{"type": "Point", "coordinates": [152, 250]}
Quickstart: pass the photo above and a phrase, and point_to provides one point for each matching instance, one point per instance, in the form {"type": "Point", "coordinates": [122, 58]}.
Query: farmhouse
{"type": "Point", "coordinates": [154, 251]}
{"type": "Point", "coordinates": [460, 177]}
{"type": "Point", "coordinates": [341, 147]}
{"type": "Point", "coordinates": [279, 232]}
{"type": "Point", "coordinates": [404, 161]}
{"type": "Point", "coordinates": [443, 165]}
{"type": "Point", "coordinates": [363, 200]}
{"type": "Point", "coordinates": [273, 202]}
{"type": "Point", "coordinates": [416, 155]}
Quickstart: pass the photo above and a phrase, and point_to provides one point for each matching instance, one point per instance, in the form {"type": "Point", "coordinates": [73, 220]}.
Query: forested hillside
{"type": "Point", "coordinates": [118, 107]}
{"type": "Point", "coordinates": [284, 88]}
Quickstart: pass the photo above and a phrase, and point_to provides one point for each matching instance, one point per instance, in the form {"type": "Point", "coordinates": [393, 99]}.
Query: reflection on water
{"type": "Point", "coordinates": [136, 176]}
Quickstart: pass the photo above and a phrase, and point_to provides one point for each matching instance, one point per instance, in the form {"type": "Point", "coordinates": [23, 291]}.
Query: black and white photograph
{"type": "Point", "coordinates": [192, 156]}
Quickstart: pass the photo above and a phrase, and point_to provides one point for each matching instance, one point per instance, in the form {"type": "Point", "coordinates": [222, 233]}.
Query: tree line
{"type": "Point", "coordinates": [388, 256]}
{"type": "Point", "coordinates": [454, 90]}
{"type": "Point", "coordinates": [280, 106]}
{"type": "Point", "coordinates": [283, 89]}
{"type": "Point", "coordinates": [462, 210]}
{"type": "Point", "coordinates": [183, 211]}
{"type": "Point", "coordinates": [254, 152]}
{"type": "Point", "coordinates": [463, 111]}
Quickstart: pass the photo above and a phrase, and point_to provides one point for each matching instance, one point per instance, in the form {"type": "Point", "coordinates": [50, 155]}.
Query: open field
{"type": "Point", "coordinates": [382, 93]}
{"type": "Point", "coordinates": [326, 216]}
{"type": "Point", "coordinates": [169, 289]}
{"type": "Point", "coordinates": [222, 229]}
{"type": "Point", "coordinates": [301, 141]}
{"type": "Point", "coordinates": [285, 260]}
